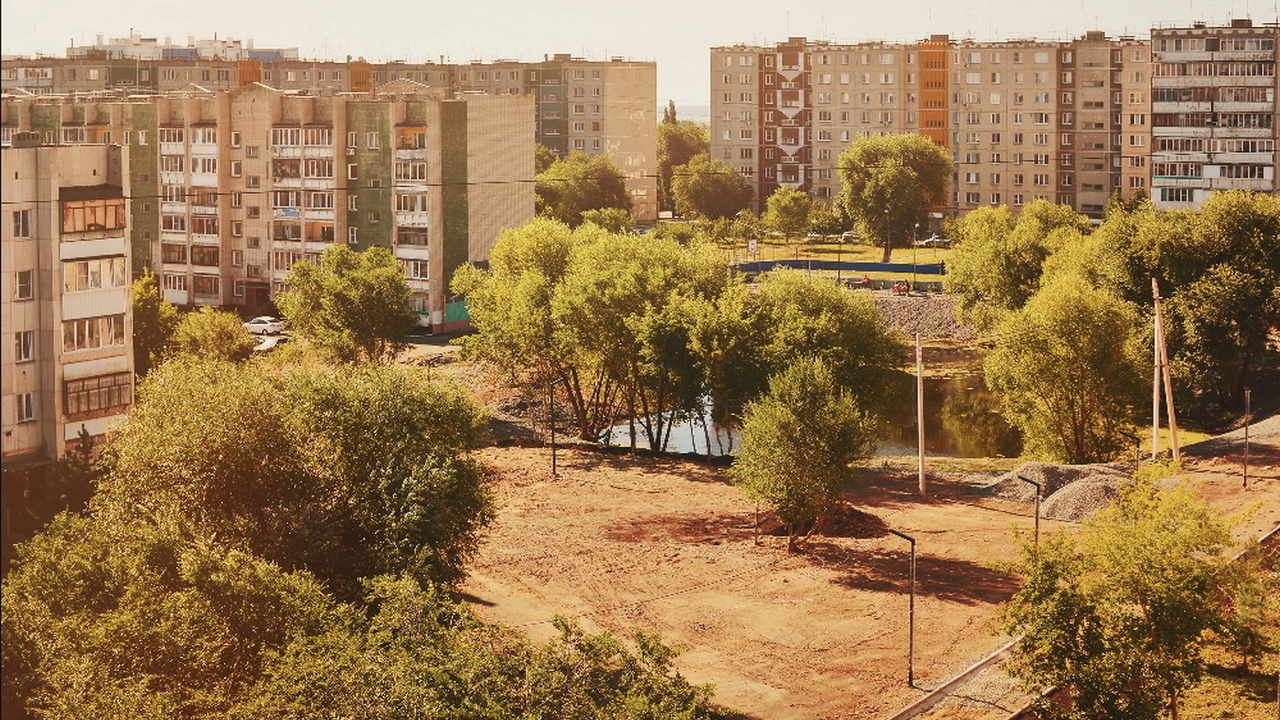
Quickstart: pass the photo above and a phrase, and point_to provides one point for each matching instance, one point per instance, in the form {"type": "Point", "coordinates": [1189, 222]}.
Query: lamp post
{"type": "Point", "coordinates": [911, 613]}
{"type": "Point", "coordinates": [1038, 491]}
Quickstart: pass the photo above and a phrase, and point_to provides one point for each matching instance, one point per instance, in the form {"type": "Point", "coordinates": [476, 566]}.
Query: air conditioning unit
{"type": "Point", "coordinates": [351, 151]}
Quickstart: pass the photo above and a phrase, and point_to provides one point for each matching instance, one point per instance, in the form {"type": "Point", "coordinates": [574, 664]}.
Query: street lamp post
{"type": "Point", "coordinates": [911, 613]}
{"type": "Point", "coordinates": [1038, 491]}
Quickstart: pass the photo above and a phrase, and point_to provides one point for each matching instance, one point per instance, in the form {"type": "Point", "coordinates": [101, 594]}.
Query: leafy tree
{"type": "Point", "coordinates": [823, 219]}
{"type": "Point", "coordinates": [543, 158]}
{"type": "Point", "coordinates": [354, 306]}
{"type": "Point", "coordinates": [1065, 373]}
{"type": "Point", "coordinates": [680, 232]}
{"type": "Point", "coordinates": [615, 220]}
{"type": "Point", "coordinates": [578, 183]}
{"type": "Point", "coordinates": [998, 260]}
{"type": "Point", "coordinates": [348, 472]}
{"type": "Point", "coordinates": [889, 182]}
{"type": "Point", "coordinates": [1119, 611]}
{"type": "Point", "coordinates": [213, 334]}
{"type": "Point", "coordinates": [798, 440]}
{"type": "Point", "coordinates": [679, 142]}
{"type": "Point", "coordinates": [154, 322]}
{"type": "Point", "coordinates": [812, 317]}
{"type": "Point", "coordinates": [787, 211]}
{"type": "Point", "coordinates": [709, 189]}
{"type": "Point", "coordinates": [143, 619]}
{"type": "Point", "coordinates": [747, 225]}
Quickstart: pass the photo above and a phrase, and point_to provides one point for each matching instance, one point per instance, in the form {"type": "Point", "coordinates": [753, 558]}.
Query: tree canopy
{"type": "Point", "coordinates": [1120, 611]}
{"type": "Point", "coordinates": [798, 440]}
{"type": "Point", "coordinates": [347, 472]}
{"type": "Point", "coordinates": [889, 182]}
{"type": "Point", "coordinates": [353, 306]}
{"type": "Point", "coordinates": [213, 334]}
{"type": "Point", "coordinates": [679, 143]}
{"type": "Point", "coordinates": [1068, 370]}
{"type": "Point", "coordinates": [787, 212]}
{"type": "Point", "coordinates": [154, 322]}
{"type": "Point", "coordinates": [709, 189]}
{"type": "Point", "coordinates": [577, 183]}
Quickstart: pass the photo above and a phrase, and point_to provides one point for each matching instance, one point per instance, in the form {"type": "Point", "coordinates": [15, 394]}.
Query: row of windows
{"type": "Point", "coordinates": [94, 274]}
{"type": "Point", "coordinates": [98, 393]}
{"type": "Point", "coordinates": [93, 333]}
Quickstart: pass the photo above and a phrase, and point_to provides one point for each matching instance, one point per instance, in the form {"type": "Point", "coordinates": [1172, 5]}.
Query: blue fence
{"type": "Point", "coordinates": [759, 266]}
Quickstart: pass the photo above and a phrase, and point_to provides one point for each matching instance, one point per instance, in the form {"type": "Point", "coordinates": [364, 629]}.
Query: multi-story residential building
{"type": "Point", "coordinates": [598, 107]}
{"type": "Point", "coordinates": [1024, 119]}
{"type": "Point", "coordinates": [64, 308]}
{"type": "Point", "coordinates": [1213, 110]}
{"type": "Point", "coordinates": [231, 188]}
{"type": "Point", "coordinates": [1135, 116]}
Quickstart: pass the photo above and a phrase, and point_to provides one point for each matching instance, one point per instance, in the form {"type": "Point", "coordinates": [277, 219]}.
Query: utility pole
{"type": "Point", "coordinates": [920, 412]}
{"type": "Point", "coordinates": [1162, 369]}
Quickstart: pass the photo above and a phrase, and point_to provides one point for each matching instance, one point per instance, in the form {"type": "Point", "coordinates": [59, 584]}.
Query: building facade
{"type": "Point", "coordinates": [1024, 119]}
{"type": "Point", "coordinates": [1213, 109]}
{"type": "Point", "coordinates": [598, 107]}
{"type": "Point", "coordinates": [229, 189]}
{"type": "Point", "coordinates": [64, 307]}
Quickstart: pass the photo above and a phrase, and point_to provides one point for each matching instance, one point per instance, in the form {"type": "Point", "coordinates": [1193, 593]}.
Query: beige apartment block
{"type": "Point", "coordinates": [600, 107]}
{"type": "Point", "coordinates": [231, 188]}
{"type": "Point", "coordinates": [1214, 112]}
{"type": "Point", "coordinates": [64, 308]}
{"type": "Point", "coordinates": [1136, 144]}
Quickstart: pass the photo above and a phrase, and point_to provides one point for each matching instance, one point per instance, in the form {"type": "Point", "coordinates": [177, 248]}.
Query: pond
{"type": "Point", "coordinates": [961, 420]}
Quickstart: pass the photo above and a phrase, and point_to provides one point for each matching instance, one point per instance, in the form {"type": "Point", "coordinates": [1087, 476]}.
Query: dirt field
{"type": "Point", "coordinates": [622, 542]}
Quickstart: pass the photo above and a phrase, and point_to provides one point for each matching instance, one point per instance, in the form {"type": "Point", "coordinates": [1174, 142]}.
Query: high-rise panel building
{"type": "Point", "coordinates": [595, 106]}
{"type": "Point", "coordinates": [1214, 115]}
{"type": "Point", "coordinates": [65, 314]}
{"type": "Point", "coordinates": [230, 188]}
{"type": "Point", "coordinates": [1024, 119]}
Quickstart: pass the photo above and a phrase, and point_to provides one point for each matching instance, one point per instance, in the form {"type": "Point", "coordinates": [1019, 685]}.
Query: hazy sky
{"type": "Point", "coordinates": [675, 33]}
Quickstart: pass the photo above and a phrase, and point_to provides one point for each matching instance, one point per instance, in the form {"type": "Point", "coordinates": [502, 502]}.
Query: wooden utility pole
{"type": "Point", "coordinates": [1162, 369]}
{"type": "Point", "coordinates": [920, 411]}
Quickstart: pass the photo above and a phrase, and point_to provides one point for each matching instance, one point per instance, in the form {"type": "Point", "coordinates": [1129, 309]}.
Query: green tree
{"type": "Point", "coordinates": [154, 322]}
{"type": "Point", "coordinates": [543, 158]}
{"type": "Point", "coordinates": [787, 212]}
{"type": "Point", "coordinates": [1068, 373]}
{"type": "Point", "coordinates": [615, 220]}
{"type": "Point", "coordinates": [213, 334]}
{"type": "Point", "coordinates": [889, 182]}
{"type": "Point", "coordinates": [348, 472]}
{"type": "Point", "coordinates": [823, 219]}
{"type": "Point", "coordinates": [1120, 611]}
{"type": "Point", "coordinates": [354, 306]}
{"type": "Point", "coordinates": [143, 619]}
{"type": "Point", "coordinates": [577, 183]}
{"type": "Point", "coordinates": [999, 259]}
{"type": "Point", "coordinates": [709, 189]}
{"type": "Point", "coordinates": [797, 443]}
{"type": "Point", "coordinates": [679, 142]}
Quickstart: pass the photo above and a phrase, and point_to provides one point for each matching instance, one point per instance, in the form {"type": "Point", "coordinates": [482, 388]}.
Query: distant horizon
{"type": "Point", "coordinates": [676, 34]}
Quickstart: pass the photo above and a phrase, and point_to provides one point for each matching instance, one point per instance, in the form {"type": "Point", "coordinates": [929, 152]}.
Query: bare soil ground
{"type": "Point", "coordinates": [623, 541]}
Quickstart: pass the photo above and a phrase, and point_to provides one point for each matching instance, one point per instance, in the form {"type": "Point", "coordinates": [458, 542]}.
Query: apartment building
{"type": "Point", "coordinates": [1024, 119]}
{"type": "Point", "coordinates": [1213, 110]}
{"type": "Point", "coordinates": [598, 107]}
{"type": "Point", "coordinates": [230, 188]}
{"type": "Point", "coordinates": [64, 308]}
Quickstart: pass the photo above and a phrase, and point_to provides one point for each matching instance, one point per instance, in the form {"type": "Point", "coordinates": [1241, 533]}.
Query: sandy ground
{"type": "Point", "coordinates": [621, 542]}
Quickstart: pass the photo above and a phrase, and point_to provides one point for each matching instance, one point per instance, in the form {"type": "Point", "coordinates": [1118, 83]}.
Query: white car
{"type": "Point", "coordinates": [264, 325]}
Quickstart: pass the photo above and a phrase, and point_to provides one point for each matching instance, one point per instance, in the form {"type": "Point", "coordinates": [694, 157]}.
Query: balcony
{"type": "Point", "coordinates": [413, 219]}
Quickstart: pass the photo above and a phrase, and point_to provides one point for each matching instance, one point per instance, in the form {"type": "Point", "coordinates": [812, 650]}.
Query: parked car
{"type": "Point", "coordinates": [270, 343]}
{"type": "Point", "coordinates": [849, 237]}
{"type": "Point", "coordinates": [935, 241]}
{"type": "Point", "coordinates": [264, 325]}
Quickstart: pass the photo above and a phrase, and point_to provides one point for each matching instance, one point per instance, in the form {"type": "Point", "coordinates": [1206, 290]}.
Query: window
{"type": "Point", "coordinates": [22, 224]}
{"type": "Point", "coordinates": [93, 333]}
{"type": "Point", "coordinates": [204, 135]}
{"type": "Point", "coordinates": [411, 236]}
{"type": "Point", "coordinates": [204, 225]}
{"type": "Point", "coordinates": [411, 171]}
{"type": "Point", "coordinates": [98, 393]}
{"type": "Point", "coordinates": [236, 168]}
{"type": "Point", "coordinates": [24, 285]}
{"type": "Point", "coordinates": [317, 169]}
{"type": "Point", "coordinates": [26, 407]}
{"type": "Point", "coordinates": [93, 274]}
{"type": "Point", "coordinates": [204, 255]}
{"type": "Point", "coordinates": [286, 137]}
{"type": "Point", "coordinates": [416, 269]}
{"type": "Point", "coordinates": [353, 171]}
{"type": "Point", "coordinates": [171, 163]}
{"type": "Point", "coordinates": [352, 235]}
{"type": "Point", "coordinates": [237, 228]}
{"type": "Point", "coordinates": [352, 138]}
{"type": "Point", "coordinates": [318, 137]}
{"type": "Point", "coordinates": [171, 135]}
{"type": "Point", "coordinates": [206, 285]}
{"type": "Point", "coordinates": [173, 253]}
{"type": "Point", "coordinates": [24, 346]}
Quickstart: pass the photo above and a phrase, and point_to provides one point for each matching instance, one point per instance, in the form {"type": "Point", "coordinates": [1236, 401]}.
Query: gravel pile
{"type": "Point", "coordinates": [1070, 492]}
{"type": "Point", "coordinates": [930, 315]}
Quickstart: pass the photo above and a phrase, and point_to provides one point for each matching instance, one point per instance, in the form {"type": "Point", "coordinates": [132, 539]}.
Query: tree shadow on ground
{"type": "Point", "coordinates": [959, 581]}
{"type": "Point", "coordinates": [1252, 685]}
